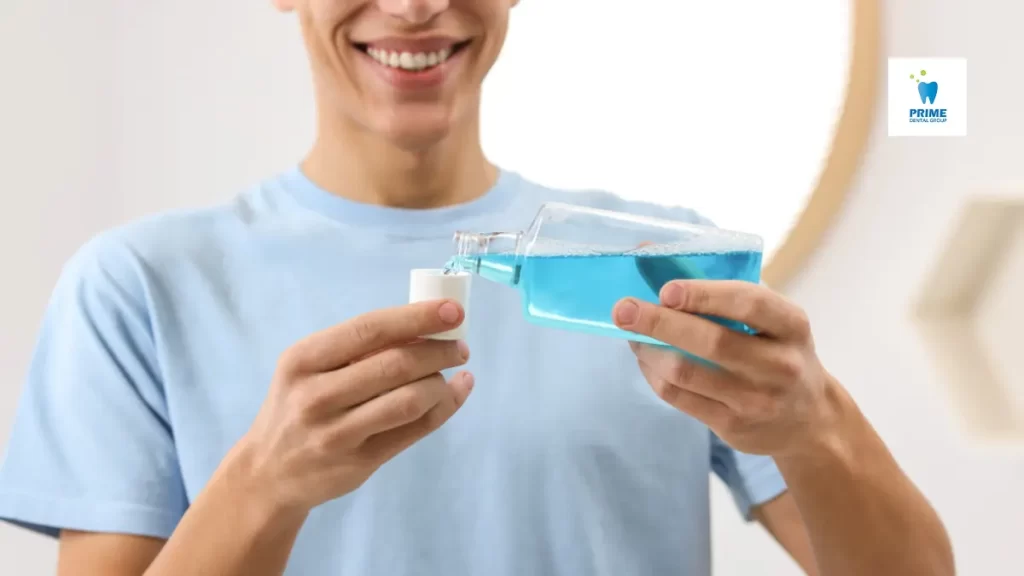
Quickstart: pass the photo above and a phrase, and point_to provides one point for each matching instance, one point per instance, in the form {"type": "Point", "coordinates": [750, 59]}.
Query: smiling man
{"type": "Point", "coordinates": [240, 390]}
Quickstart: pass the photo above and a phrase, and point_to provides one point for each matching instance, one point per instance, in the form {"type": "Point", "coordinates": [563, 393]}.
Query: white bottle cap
{"type": "Point", "coordinates": [434, 284]}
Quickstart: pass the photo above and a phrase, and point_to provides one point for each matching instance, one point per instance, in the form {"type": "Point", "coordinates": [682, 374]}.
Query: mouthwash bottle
{"type": "Point", "coordinates": [574, 263]}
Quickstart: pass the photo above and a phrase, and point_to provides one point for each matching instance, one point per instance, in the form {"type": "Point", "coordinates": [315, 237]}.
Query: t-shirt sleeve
{"type": "Point", "coordinates": [752, 480]}
{"type": "Point", "coordinates": [91, 447]}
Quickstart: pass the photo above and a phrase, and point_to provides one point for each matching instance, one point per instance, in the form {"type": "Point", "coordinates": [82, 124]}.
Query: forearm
{"type": "Point", "coordinates": [864, 516]}
{"type": "Point", "coordinates": [232, 528]}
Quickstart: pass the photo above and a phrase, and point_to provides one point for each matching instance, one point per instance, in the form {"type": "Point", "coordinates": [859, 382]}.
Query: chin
{"type": "Point", "coordinates": [415, 130]}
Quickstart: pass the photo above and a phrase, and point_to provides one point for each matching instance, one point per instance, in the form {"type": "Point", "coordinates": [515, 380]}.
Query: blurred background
{"type": "Point", "coordinates": [907, 253]}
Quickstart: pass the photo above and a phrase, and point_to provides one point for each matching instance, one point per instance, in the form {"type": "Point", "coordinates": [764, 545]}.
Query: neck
{"type": "Point", "coordinates": [364, 167]}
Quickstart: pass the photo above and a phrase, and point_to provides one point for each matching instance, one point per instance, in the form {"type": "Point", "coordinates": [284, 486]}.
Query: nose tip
{"type": "Point", "coordinates": [413, 11]}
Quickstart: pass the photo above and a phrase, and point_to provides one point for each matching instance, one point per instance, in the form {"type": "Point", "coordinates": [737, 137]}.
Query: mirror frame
{"type": "Point", "coordinates": [856, 121]}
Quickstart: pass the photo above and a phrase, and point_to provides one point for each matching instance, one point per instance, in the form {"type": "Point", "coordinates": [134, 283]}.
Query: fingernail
{"type": "Point", "coordinates": [449, 313]}
{"type": "Point", "coordinates": [468, 380]}
{"type": "Point", "coordinates": [672, 295]}
{"type": "Point", "coordinates": [463, 349]}
{"type": "Point", "coordinates": [627, 312]}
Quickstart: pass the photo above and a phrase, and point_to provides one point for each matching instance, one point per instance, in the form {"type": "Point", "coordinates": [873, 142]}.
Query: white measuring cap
{"type": "Point", "coordinates": [433, 284]}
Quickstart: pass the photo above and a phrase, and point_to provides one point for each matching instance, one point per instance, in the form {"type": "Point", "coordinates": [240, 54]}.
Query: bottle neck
{"type": "Point", "coordinates": [494, 256]}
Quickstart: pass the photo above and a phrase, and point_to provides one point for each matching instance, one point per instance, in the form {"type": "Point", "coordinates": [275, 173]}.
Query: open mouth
{"type": "Point", "coordinates": [411, 61]}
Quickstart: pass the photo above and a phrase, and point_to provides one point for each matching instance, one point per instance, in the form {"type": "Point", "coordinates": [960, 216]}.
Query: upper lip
{"type": "Point", "coordinates": [413, 45]}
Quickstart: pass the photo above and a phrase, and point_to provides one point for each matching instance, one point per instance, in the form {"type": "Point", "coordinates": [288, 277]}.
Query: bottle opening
{"type": "Point", "coordinates": [492, 255]}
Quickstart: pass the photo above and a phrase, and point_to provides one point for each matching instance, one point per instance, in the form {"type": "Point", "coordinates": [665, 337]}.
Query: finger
{"type": "Point", "coordinates": [691, 375]}
{"type": "Point", "coordinates": [385, 371]}
{"type": "Point", "coordinates": [710, 412]}
{"type": "Point", "coordinates": [386, 445]}
{"type": "Point", "coordinates": [367, 333]}
{"type": "Point", "coordinates": [734, 351]}
{"type": "Point", "coordinates": [395, 408]}
{"type": "Point", "coordinates": [757, 306]}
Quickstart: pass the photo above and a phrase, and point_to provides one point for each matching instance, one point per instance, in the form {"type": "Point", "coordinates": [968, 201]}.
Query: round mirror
{"type": "Point", "coordinates": [754, 117]}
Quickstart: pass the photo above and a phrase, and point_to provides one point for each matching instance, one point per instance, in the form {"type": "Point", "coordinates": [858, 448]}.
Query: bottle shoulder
{"type": "Point", "coordinates": [602, 199]}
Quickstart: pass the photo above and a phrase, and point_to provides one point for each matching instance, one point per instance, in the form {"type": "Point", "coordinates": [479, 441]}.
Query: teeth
{"type": "Point", "coordinates": [409, 60]}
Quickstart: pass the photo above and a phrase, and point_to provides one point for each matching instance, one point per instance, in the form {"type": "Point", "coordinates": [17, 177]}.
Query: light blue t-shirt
{"type": "Point", "coordinates": [159, 343]}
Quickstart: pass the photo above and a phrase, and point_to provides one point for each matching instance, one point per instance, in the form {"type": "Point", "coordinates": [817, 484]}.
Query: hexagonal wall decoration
{"type": "Point", "coordinates": [971, 313]}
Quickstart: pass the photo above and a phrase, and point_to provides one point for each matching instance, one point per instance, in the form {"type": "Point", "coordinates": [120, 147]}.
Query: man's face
{"type": "Point", "coordinates": [408, 70]}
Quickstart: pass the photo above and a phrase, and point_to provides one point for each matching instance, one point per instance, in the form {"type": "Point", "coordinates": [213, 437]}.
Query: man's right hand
{"type": "Point", "coordinates": [345, 400]}
{"type": "Point", "coordinates": [342, 402]}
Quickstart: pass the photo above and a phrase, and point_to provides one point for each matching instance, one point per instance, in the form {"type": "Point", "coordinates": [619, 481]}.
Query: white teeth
{"type": "Point", "coordinates": [409, 60]}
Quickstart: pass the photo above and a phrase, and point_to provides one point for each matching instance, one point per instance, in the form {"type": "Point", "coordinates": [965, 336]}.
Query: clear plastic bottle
{"type": "Point", "coordinates": [574, 263]}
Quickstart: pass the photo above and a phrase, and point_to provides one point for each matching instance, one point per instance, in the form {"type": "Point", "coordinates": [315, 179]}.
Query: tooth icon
{"type": "Point", "coordinates": [928, 90]}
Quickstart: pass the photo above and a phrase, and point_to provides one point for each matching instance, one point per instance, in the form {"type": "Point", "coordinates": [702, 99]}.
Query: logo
{"type": "Point", "coordinates": [928, 91]}
{"type": "Point", "coordinates": [933, 102]}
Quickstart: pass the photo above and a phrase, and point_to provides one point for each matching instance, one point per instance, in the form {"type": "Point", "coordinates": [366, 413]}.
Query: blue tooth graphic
{"type": "Point", "coordinates": [928, 90]}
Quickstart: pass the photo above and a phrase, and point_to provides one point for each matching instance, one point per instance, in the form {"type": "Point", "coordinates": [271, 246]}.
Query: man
{"type": "Point", "coordinates": [240, 390]}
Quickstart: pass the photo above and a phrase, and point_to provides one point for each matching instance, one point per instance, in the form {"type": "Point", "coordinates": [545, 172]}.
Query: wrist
{"type": "Point", "coordinates": [831, 439]}
{"type": "Point", "coordinates": [244, 474]}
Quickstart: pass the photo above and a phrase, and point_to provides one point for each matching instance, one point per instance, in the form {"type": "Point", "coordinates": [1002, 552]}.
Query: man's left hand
{"type": "Point", "coordinates": [769, 393]}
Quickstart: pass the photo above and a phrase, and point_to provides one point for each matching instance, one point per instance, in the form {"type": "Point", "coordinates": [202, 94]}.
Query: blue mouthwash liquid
{"type": "Point", "coordinates": [579, 292]}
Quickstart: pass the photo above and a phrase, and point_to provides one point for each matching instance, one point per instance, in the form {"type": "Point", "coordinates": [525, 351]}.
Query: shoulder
{"type": "Point", "coordinates": [538, 194]}
{"type": "Point", "coordinates": [128, 257]}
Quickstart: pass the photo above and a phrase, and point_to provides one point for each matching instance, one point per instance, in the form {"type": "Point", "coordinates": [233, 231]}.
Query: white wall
{"type": "Point", "coordinates": [55, 155]}
{"type": "Point", "coordinates": [71, 166]}
{"type": "Point", "coordinates": [860, 285]}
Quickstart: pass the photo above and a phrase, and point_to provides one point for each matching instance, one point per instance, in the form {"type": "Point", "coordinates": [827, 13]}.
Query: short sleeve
{"type": "Point", "coordinates": [752, 480]}
{"type": "Point", "coordinates": [91, 447]}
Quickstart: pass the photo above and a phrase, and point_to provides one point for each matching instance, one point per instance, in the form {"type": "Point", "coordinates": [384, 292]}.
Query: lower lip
{"type": "Point", "coordinates": [414, 80]}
